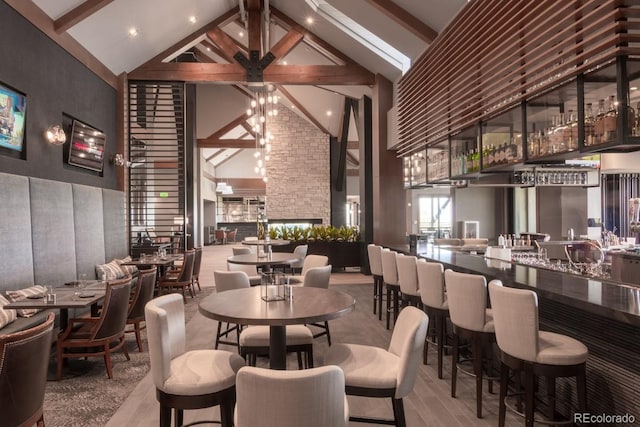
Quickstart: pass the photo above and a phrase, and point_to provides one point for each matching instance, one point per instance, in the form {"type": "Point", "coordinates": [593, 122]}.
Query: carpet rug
{"type": "Point", "coordinates": [86, 396]}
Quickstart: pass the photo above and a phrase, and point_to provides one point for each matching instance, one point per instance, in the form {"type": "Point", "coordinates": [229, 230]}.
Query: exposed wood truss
{"type": "Point", "coordinates": [77, 14]}
{"type": "Point", "coordinates": [215, 140]}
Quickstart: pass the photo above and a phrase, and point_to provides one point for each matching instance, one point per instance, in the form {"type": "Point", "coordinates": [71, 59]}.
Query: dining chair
{"type": "Point", "coordinates": [221, 236]}
{"type": "Point", "coordinates": [390, 277]}
{"type": "Point", "coordinates": [197, 262]}
{"type": "Point", "coordinates": [180, 279]}
{"type": "Point", "coordinates": [319, 277]}
{"type": "Point", "coordinates": [241, 250]}
{"type": "Point", "coordinates": [251, 270]}
{"type": "Point", "coordinates": [98, 336]}
{"type": "Point", "coordinates": [375, 372]}
{"type": "Point", "coordinates": [226, 281]}
{"type": "Point", "coordinates": [273, 398]}
{"type": "Point", "coordinates": [184, 379]}
{"type": "Point", "coordinates": [24, 359]}
{"type": "Point", "coordinates": [143, 293]}
{"type": "Point", "coordinates": [300, 252]}
{"type": "Point", "coordinates": [231, 235]}
{"type": "Point", "coordinates": [310, 261]}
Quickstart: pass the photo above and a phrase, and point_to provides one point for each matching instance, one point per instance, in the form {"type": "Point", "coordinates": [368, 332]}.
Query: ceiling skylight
{"type": "Point", "coordinates": [359, 33]}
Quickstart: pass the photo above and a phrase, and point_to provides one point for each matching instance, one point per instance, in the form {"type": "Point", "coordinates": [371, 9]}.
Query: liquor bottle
{"type": "Point", "coordinates": [571, 134]}
{"type": "Point", "coordinates": [598, 124]}
{"type": "Point", "coordinates": [610, 120]}
{"type": "Point", "coordinates": [637, 127]}
{"type": "Point", "coordinates": [589, 122]}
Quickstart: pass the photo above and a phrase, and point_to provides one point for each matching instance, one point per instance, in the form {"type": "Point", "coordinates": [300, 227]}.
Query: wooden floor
{"type": "Point", "coordinates": [430, 403]}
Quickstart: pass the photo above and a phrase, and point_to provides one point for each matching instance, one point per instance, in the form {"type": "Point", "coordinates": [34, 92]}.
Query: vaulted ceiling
{"type": "Point", "coordinates": [322, 48]}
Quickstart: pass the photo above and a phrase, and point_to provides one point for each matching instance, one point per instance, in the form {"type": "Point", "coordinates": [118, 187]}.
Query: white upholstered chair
{"type": "Point", "coordinates": [186, 379]}
{"type": "Point", "coordinates": [300, 252]}
{"type": "Point", "coordinates": [434, 303]}
{"type": "Point", "coordinates": [225, 281]}
{"type": "Point", "coordinates": [376, 372]}
{"type": "Point", "coordinates": [319, 277]}
{"type": "Point", "coordinates": [525, 348]}
{"type": "Point", "coordinates": [254, 341]}
{"type": "Point", "coordinates": [467, 297]}
{"type": "Point", "coordinates": [241, 250]}
{"type": "Point", "coordinates": [273, 398]}
{"type": "Point", "coordinates": [390, 277]}
{"type": "Point", "coordinates": [408, 280]}
{"type": "Point", "coordinates": [251, 270]}
{"type": "Point", "coordinates": [375, 265]}
{"type": "Point", "coordinates": [310, 261]}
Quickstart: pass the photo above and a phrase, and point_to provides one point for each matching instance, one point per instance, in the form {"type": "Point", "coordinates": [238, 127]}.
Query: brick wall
{"type": "Point", "coordinates": [298, 170]}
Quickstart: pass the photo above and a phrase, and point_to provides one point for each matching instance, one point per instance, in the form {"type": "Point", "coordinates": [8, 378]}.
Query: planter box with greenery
{"type": "Point", "coordinates": [341, 245]}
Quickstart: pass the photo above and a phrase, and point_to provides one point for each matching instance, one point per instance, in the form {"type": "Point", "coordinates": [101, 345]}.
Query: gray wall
{"type": "Point", "coordinates": [479, 204]}
{"type": "Point", "coordinates": [561, 208]}
{"type": "Point", "coordinates": [56, 84]}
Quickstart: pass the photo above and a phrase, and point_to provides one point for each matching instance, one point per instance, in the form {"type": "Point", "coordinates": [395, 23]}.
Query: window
{"type": "Point", "coordinates": [435, 215]}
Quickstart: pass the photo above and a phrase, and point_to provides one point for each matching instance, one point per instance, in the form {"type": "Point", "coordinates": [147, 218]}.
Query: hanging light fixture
{"type": "Point", "coordinates": [263, 108]}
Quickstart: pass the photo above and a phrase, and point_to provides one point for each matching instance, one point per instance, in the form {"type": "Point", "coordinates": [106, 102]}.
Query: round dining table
{"type": "Point", "coordinates": [246, 307]}
{"type": "Point", "coordinates": [266, 261]}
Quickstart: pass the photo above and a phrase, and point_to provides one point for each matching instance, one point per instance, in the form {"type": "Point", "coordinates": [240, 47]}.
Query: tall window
{"type": "Point", "coordinates": [435, 215]}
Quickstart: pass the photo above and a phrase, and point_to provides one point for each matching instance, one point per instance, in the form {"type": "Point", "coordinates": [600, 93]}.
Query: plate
{"type": "Point", "coordinates": [39, 296]}
{"type": "Point", "coordinates": [87, 295]}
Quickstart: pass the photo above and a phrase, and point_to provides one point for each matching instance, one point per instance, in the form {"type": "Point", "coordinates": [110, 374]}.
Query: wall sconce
{"type": "Point", "coordinates": [55, 135]}
{"type": "Point", "coordinates": [118, 160]}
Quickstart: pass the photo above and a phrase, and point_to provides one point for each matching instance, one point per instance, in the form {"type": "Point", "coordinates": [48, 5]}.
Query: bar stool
{"type": "Point", "coordinates": [471, 319]}
{"type": "Point", "coordinates": [390, 277]}
{"type": "Point", "coordinates": [434, 303]}
{"type": "Point", "coordinates": [408, 280]}
{"type": "Point", "coordinates": [375, 265]}
{"type": "Point", "coordinates": [524, 348]}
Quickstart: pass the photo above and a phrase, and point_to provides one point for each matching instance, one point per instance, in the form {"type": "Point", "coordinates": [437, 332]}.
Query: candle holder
{"type": "Point", "coordinates": [271, 286]}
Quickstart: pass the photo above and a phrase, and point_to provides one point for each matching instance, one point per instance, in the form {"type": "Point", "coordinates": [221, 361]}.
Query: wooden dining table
{"type": "Point", "coordinates": [266, 261]}
{"type": "Point", "coordinates": [66, 299]}
{"type": "Point", "coordinates": [246, 307]}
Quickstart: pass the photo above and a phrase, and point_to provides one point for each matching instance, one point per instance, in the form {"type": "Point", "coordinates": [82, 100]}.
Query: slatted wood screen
{"type": "Point", "coordinates": [497, 52]}
{"type": "Point", "coordinates": [157, 169]}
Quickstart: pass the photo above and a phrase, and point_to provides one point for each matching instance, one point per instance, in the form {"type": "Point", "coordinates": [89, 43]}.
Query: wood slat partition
{"type": "Point", "coordinates": [496, 53]}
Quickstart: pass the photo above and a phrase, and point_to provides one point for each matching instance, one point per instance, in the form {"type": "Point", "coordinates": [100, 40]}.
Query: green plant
{"type": "Point", "coordinates": [273, 233]}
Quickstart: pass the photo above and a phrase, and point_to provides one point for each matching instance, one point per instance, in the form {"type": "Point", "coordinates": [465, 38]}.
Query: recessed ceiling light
{"type": "Point", "coordinates": [293, 107]}
{"type": "Point", "coordinates": [309, 20]}
{"type": "Point", "coordinates": [284, 62]}
{"type": "Point", "coordinates": [329, 112]}
{"type": "Point", "coordinates": [133, 32]}
{"type": "Point", "coordinates": [241, 34]}
{"type": "Point", "coordinates": [208, 49]}
{"type": "Point", "coordinates": [193, 19]}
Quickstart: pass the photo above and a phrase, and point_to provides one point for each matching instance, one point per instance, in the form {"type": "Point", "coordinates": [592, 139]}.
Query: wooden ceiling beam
{"type": "Point", "coordinates": [352, 159]}
{"type": "Point", "coordinates": [227, 143]}
{"type": "Point", "coordinates": [254, 29]}
{"type": "Point", "coordinates": [214, 155]}
{"type": "Point", "coordinates": [228, 127]}
{"type": "Point", "coordinates": [77, 14]}
{"type": "Point", "coordinates": [192, 72]}
{"type": "Point", "coordinates": [302, 109]}
{"type": "Point", "coordinates": [318, 75]}
{"type": "Point", "coordinates": [353, 172]}
{"type": "Point", "coordinates": [226, 45]}
{"type": "Point", "coordinates": [405, 19]}
{"type": "Point", "coordinates": [317, 43]}
{"type": "Point", "coordinates": [286, 44]}
{"type": "Point", "coordinates": [178, 47]}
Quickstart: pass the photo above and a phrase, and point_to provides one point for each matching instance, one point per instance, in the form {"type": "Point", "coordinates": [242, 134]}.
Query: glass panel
{"type": "Point", "coordinates": [465, 157]}
{"type": "Point", "coordinates": [502, 140]}
{"type": "Point", "coordinates": [438, 162]}
{"type": "Point", "coordinates": [435, 215]}
{"type": "Point", "coordinates": [552, 123]}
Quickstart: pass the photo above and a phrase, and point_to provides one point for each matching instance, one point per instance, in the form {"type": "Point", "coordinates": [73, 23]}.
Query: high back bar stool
{"type": "Point", "coordinates": [471, 319]}
{"type": "Point", "coordinates": [408, 280]}
{"type": "Point", "coordinates": [390, 277]}
{"type": "Point", "coordinates": [524, 348]}
{"type": "Point", "coordinates": [375, 265]}
{"type": "Point", "coordinates": [434, 303]}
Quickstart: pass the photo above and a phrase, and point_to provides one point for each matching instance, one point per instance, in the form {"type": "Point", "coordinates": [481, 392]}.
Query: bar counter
{"type": "Point", "coordinates": [605, 316]}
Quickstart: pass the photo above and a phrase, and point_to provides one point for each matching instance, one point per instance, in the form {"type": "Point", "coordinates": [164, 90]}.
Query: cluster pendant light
{"type": "Point", "coordinates": [264, 107]}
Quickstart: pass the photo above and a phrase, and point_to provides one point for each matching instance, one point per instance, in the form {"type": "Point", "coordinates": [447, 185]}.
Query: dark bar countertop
{"type": "Point", "coordinates": [608, 299]}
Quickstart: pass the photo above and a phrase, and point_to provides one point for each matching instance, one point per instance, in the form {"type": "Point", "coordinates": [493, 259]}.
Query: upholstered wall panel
{"type": "Point", "coordinates": [53, 237]}
{"type": "Point", "coordinates": [115, 240]}
{"type": "Point", "coordinates": [16, 262]}
{"type": "Point", "coordinates": [88, 228]}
